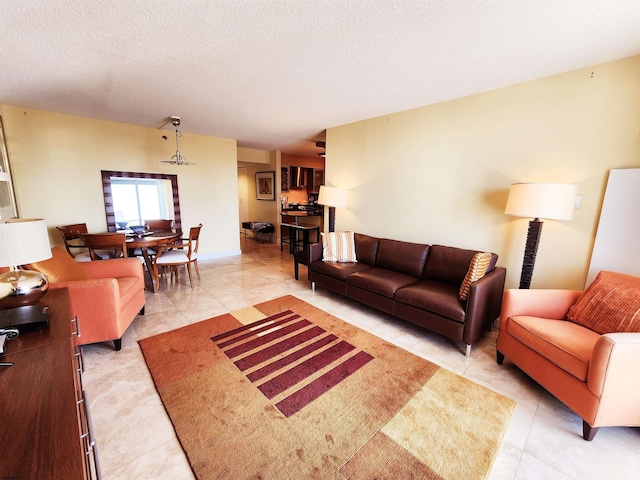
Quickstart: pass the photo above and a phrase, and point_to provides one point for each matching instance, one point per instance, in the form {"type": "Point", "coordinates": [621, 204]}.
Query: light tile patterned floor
{"type": "Point", "coordinates": [136, 439]}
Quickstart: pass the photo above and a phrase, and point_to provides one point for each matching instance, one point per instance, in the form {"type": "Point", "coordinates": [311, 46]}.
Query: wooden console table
{"type": "Point", "coordinates": [44, 415]}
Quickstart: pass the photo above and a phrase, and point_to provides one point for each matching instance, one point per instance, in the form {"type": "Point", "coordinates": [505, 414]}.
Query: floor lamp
{"type": "Point", "coordinates": [332, 197]}
{"type": "Point", "coordinates": [553, 201]}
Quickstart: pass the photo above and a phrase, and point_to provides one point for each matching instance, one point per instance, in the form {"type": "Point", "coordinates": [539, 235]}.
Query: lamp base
{"type": "Point", "coordinates": [25, 319]}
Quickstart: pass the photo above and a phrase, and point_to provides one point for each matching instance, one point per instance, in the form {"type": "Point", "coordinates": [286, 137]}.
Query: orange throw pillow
{"type": "Point", "coordinates": [610, 304]}
{"type": "Point", "coordinates": [477, 270]}
{"type": "Point", "coordinates": [61, 267]}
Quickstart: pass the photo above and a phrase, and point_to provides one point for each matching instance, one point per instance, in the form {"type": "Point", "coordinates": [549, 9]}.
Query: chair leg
{"type": "Point", "coordinates": [195, 263]}
{"type": "Point", "coordinates": [588, 432]}
{"type": "Point", "coordinates": [295, 269]}
{"type": "Point", "coordinates": [189, 272]}
{"type": "Point", "coordinates": [117, 344]}
{"type": "Point", "coordinates": [141, 312]}
{"type": "Point", "coordinates": [499, 357]}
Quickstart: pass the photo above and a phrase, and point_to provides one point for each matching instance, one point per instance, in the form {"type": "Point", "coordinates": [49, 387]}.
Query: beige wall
{"type": "Point", "coordinates": [441, 173]}
{"type": "Point", "coordinates": [56, 161]}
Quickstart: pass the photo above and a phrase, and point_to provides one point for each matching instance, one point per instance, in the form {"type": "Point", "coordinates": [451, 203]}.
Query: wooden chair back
{"type": "Point", "coordinates": [114, 243]}
{"type": "Point", "coordinates": [72, 236]}
{"type": "Point", "coordinates": [160, 225]}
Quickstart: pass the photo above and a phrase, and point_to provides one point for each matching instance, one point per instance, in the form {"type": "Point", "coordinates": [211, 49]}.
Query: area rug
{"type": "Point", "coordinates": [284, 390]}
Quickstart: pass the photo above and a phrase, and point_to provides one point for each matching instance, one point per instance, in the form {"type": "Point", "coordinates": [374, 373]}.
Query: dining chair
{"type": "Point", "coordinates": [113, 243]}
{"type": "Point", "coordinates": [182, 252]}
{"type": "Point", "coordinates": [161, 225]}
{"type": "Point", "coordinates": [73, 238]}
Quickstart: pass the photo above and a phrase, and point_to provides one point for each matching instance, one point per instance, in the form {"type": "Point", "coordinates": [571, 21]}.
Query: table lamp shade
{"type": "Point", "coordinates": [22, 241]}
{"type": "Point", "coordinates": [553, 201]}
{"type": "Point", "coordinates": [332, 197]}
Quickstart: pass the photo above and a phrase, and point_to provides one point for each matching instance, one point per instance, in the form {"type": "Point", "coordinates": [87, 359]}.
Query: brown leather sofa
{"type": "Point", "coordinates": [418, 283]}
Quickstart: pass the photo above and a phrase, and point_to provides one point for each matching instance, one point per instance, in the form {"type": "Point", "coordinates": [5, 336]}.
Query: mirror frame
{"type": "Point", "coordinates": [6, 168]}
{"type": "Point", "coordinates": [108, 195]}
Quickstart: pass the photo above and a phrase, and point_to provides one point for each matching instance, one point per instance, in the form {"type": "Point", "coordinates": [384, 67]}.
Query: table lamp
{"type": "Point", "coordinates": [332, 197]}
{"type": "Point", "coordinates": [22, 241]}
{"type": "Point", "coordinates": [553, 201]}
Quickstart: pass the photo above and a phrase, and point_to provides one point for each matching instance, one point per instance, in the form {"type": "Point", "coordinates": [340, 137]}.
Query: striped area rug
{"type": "Point", "coordinates": [283, 390]}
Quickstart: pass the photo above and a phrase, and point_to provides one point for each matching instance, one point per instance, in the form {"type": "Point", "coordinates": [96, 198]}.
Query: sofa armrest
{"type": "Point", "coordinates": [544, 303]}
{"type": "Point", "coordinates": [115, 268]}
{"type": "Point", "coordinates": [613, 367]}
{"type": "Point", "coordinates": [483, 303]}
{"type": "Point", "coordinates": [315, 252]}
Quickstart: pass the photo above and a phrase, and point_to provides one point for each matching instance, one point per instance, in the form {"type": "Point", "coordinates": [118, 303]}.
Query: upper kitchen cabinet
{"type": "Point", "coordinates": [318, 179]}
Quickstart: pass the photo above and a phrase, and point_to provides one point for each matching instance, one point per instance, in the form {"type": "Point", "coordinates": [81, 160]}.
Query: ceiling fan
{"type": "Point", "coordinates": [178, 158]}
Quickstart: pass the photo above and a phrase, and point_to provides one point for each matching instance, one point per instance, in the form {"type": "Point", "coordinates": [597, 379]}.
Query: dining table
{"type": "Point", "coordinates": [147, 242]}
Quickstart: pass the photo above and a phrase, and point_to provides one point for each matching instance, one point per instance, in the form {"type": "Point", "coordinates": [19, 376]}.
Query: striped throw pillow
{"type": "Point", "coordinates": [477, 270]}
{"type": "Point", "coordinates": [610, 304]}
{"type": "Point", "coordinates": [338, 247]}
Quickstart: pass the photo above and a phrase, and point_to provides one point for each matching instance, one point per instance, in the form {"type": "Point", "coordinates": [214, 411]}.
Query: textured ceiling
{"type": "Point", "coordinates": [274, 74]}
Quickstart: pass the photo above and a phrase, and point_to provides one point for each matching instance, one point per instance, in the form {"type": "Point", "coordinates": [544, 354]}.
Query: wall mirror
{"type": "Point", "coordinates": [133, 197]}
{"type": "Point", "coordinates": [8, 206]}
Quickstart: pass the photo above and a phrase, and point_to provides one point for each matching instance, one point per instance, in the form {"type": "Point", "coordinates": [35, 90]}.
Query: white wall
{"type": "Point", "coordinates": [441, 173]}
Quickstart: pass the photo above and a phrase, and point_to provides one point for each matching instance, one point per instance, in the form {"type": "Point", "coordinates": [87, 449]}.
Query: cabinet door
{"type": "Point", "coordinates": [318, 179]}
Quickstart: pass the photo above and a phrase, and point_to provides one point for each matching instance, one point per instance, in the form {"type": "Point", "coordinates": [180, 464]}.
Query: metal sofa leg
{"type": "Point", "coordinates": [313, 286]}
{"type": "Point", "coordinates": [467, 352]}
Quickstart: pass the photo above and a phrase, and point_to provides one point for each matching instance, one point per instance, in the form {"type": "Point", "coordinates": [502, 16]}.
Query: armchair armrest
{"type": "Point", "coordinates": [115, 268]}
{"type": "Point", "coordinates": [613, 367]}
{"type": "Point", "coordinates": [97, 299]}
{"type": "Point", "coordinates": [544, 303]}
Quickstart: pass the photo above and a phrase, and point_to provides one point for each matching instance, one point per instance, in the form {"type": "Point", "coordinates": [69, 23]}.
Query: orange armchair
{"type": "Point", "coordinates": [593, 374]}
{"type": "Point", "coordinates": [105, 295]}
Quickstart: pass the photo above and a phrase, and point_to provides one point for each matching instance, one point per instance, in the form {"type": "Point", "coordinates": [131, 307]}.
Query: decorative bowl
{"type": "Point", "coordinates": [122, 225]}
{"type": "Point", "coordinates": [138, 229]}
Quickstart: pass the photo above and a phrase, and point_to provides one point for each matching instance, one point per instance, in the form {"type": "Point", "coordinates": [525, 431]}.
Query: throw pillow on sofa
{"type": "Point", "coordinates": [610, 304]}
{"type": "Point", "coordinates": [338, 247]}
{"type": "Point", "coordinates": [477, 270]}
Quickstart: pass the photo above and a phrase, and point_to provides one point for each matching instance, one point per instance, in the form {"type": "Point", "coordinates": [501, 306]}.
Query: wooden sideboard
{"type": "Point", "coordinates": [45, 428]}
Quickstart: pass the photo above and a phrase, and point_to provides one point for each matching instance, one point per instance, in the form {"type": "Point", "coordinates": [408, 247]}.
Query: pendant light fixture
{"type": "Point", "coordinates": [178, 158]}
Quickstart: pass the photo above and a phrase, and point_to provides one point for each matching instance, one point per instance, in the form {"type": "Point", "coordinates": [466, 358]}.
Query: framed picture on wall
{"type": "Point", "coordinates": [265, 185]}
{"type": "Point", "coordinates": [284, 179]}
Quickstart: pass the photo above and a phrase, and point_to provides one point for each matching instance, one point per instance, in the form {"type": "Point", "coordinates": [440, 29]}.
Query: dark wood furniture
{"type": "Point", "coordinates": [46, 428]}
{"type": "Point", "coordinates": [146, 244]}
{"type": "Point", "coordinates": [297, 236]}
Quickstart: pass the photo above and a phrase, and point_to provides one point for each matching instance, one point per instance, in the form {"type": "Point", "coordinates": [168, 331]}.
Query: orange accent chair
{"type": "Point", "coordinates": [594, 374]}
{"type": "Point", "coordinates": [105, 296]}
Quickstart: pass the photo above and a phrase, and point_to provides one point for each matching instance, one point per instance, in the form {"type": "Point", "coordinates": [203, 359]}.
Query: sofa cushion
{"type": "Point", "coordinates": [338, 247]}
{"type": "Point", "coordinates": [477, 270]}
{"type": "Point", "coordinates": [381, 281]}
{"type": "Point", "coordinates": [366, 248]}
{"type": "Point", "coordinates": [610, 304]}
{"type": "Point", "coordinates": [403, 257]}
{"type": "Point", "coordinates": [565, 344]}
{"type": "Point", "coordinates": [436, 297]}
{"type": "Point", "coordinates": [338, 270]}
{"type": "Point", "coordinates": [61, 267]}
{"type": "Point", "coordinates": [450, 264]}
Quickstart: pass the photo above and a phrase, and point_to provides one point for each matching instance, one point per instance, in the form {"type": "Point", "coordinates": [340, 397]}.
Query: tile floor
{"type": "Point", "coordinates": [136, 439]}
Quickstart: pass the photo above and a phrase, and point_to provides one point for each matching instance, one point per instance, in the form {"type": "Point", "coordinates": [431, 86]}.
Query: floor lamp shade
{"type": "Point", "coordinates": [554, 201]}
{"type": "Point", "coordinates": [332, 197]}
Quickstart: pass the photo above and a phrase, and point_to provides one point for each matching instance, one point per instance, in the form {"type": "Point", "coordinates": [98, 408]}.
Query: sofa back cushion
{"type": "Point", "coordinates": [610, 304]}
{"type": "Point", "coordinates": [61, 267]}
{"type": "Point", "coordinates": [403, 257]}
{"type": "Point", "coordinates": [366, 248]}
{"type": "Point", "coordinates": [450, 264]}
